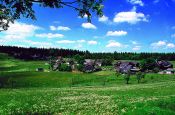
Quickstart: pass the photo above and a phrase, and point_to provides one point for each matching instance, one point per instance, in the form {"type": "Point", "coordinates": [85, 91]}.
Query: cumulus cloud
{"type": "Point", "coordinates": [116, 33]}
{"type": "Point", "coordinates": [92, 42]}
{"type": "Point", "coordinates": [20, 31]}
{"type": "Point", "coordinates": [131, 17]}
{"type": "Point", "coordinates": [136, 2]}
{"type": "Point", "coordinates": [53, 28]}
{"type": "Point", "coordinates": [158, 44]}
{"type": "Point", "coordinates": [62, 28]}
{"type": "Point", "coordinates": [103, 19]}
{"type": "Point", "coordinates": [113, 44]}
{"type": "Point", "coordinates": [49, 35]}
{"type": "Point", "coordinates": [88, 26]}
{"type": "Point", "coordinates": [170, 45]}
{"type": "Point", "coordinates": [162, 44]}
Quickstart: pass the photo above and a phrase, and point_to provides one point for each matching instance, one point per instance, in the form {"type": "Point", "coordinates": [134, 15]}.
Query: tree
{"type": "Point", "coordinates": [148, 64]}
{"type": "Point", "coordinates": [65, 67]}
{"type": "Point", "coordinates": [80, 67]}
{"type": "Point", "coordinates": [127, 77]}
{"type": "Point", "coordinates": [79, 59]}
{"type": "Point", "coordinates": [139, 76]}
{"type": "Point", "coordinates": [11, 10]}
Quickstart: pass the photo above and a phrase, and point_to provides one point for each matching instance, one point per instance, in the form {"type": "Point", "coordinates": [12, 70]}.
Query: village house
{"type": "Point", "coordinates": [91, 65]}
{"type": "Point", "coordinates": [165, 67]}
{"type": "Point", "coordinates": [71, 62]}
{"type": "Point", "coordinates": [125, 67]}
{"type": "Point", "coordinates": [56, 63]}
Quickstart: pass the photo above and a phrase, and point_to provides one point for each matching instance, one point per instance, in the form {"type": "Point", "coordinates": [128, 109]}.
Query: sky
{"type": "Point", "coordinates": [126, 26]}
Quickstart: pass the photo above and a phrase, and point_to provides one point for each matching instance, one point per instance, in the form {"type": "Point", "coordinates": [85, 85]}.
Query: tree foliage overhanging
{"type": "Point", "coordinates": [11, 10]}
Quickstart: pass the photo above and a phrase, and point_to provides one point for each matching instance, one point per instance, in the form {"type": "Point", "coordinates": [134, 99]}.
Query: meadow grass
{"type": "Point", "coordinates": [101, 93]}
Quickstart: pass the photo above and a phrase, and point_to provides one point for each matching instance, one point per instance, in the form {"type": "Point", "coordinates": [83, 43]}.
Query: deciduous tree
{"type": "Point", "coordinates": [11, 10]}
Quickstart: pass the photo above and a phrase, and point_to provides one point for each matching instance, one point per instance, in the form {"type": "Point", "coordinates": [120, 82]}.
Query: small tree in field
{"type": "Point", "coordinates": [127, 77]}
{"type": "Point", "coordinates": [139, 76]}
{"type": "Point", "coordinates": [80, 67]}
{"type": "Point", "coordinates": [117, 74]}
{"type": "Point", "coordinates": [65, 67]}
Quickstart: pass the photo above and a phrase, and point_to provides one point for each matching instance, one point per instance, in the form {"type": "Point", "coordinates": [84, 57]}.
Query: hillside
{"type": "Point", "coordinates": [79, 93]}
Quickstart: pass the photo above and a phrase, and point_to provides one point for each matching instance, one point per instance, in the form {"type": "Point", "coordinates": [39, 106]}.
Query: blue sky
{"type": "Point", "coordinates": [127, 26]}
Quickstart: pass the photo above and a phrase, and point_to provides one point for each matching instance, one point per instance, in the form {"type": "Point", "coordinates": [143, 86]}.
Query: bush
{"type": "Point", "coordinates": [65, 67]}
{"type": "Point", "coordinates": [127, 77]}
{"type": "Point", "coordinates": [148, 64]}
{"type": "Point", "coordinates": [80, 67]}
{"type": "Point", "coordinates": [140, 76]}
{"type": "Point", "coordinates": [156, 70]}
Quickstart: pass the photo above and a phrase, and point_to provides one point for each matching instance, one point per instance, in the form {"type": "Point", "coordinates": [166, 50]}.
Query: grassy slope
{"type": "Point", "coordinates": [100, 92]}
{"type": "Point", "coordinates": [153, 99]}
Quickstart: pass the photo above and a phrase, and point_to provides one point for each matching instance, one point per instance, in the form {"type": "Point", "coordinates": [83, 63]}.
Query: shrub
{"type": "Point", "coordinates": [127, 77]}
{"type": "Point", "coordinates": [65, 67]}
{"type": "Point", "coordinates": [156, 70]}
{"type": "Point", "coordinates": [80, 67]}
{"type": "Point", "coordinates": [139, 76]}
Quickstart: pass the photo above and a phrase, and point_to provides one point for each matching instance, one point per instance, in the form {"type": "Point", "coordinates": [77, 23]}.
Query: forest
{"type": "Point", "coordinates": [44, 54]}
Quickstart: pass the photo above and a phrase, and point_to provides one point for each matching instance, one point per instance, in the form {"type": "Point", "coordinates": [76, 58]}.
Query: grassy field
{"type": "Point", "coordinates": [78, 93]}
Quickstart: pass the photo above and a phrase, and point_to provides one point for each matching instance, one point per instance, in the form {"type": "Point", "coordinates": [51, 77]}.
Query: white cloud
{"type": "Point", "coordinates": [20, 31]}
{"type": "Point", "coordinates": [136, 2]}
{"type": "Point", "coordinates": [53, 28]}
{"type": "Point", "coordinates": [66, 42]}
{"type": "Point", "coordinates": [170, 45]}
{"type": "Point", "coordinates": [88, 26]}
{"type": "Point", "coordinates": [131, 17]}
{"type": "Point", "coordinates": [18, 34]}
{"type": "Point", "coordinates": [116, 33]}
{"type": "Point", "coordinates": [81, 41]}
{"type": "Point", "coordinates": [49, 35]}
{"type": "Point", "coordinates": [158, 44]}
{"type": "Point", "coordinates": [162, 44]}
{"type": "Point", "coordinates": [92, 42]}
{"type": "Point", "coordinates": [103, 19]}
{"type": "Point", "coordinates": [62, 28]}
{"type": "Point", "coordinates": [136, 48]}
{"type": "Point", "coordinates": [85, 16]}
{"type": "Point", "coordinates": [113, 44]}
{"type": "Point", "coordinates": [134, 42]}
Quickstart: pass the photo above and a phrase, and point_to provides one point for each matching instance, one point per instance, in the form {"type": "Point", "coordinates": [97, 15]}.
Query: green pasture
{"type": "Point", "coordinates": [66, 93]}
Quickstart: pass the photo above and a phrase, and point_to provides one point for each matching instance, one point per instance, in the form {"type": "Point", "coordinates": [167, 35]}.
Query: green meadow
{"type": "Point", "coordinates": [41, 93]}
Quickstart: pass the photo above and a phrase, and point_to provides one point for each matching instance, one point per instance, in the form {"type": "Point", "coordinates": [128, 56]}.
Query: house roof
{"type": "Point", "coordinates": [165, 64]}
